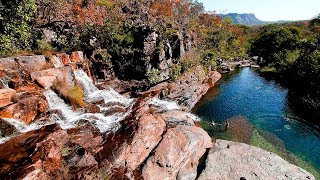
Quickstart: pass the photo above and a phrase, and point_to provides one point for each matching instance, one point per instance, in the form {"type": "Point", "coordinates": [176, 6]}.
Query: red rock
{"type": "Point", "coordinates": [6, 96]}
{"type": "Point", "coordinates": [46, 81]}
{"type": "Point", "coordinates": [27, 88]}
{"type": "Point", "coordinates": [8, 64]}
{"type": "Point", "coordinates": [86, 140]}
{"type": "Point", "coordinates": [26, 109]}
{"type": "Point", "coordinates": [51, 148]}
{"type": "Point", "coordinates": [190, 87]}
{"type": "Point", "coordinates": [37, 174]}
{"type": "Point", "coordinates": [87, 160]}
{"type": "Point", "coordinates": [56, 61]}
{"type": "Point", "coordinates": [65, 59]}
{"type": "Point", "coordinates": [129, 155]}
{"type": "Point", "coordinates": [47, 77]}
{"type": "Point", "coordinates": [178, 154]}
{"type": "Point", "coordinates": [15, 155]}
{"type": "Point", "coordinates": [77, 57]}
{"type": "Point", "coordinates": [91, 108]}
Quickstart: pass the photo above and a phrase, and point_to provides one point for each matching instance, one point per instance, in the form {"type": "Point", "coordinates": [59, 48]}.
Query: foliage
{"type": "Point", "coordinates": [175, 71]}
{"type": "Point", "coordinates": [153, 76]}
{"type": "Point", "coordinates": [292, 52]}
{"type": "Point", "coordinates": [16, 20]}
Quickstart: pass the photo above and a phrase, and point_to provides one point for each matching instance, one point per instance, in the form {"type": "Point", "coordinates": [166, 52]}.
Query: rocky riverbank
{"type": "Point", "coordinates": [57, 124]}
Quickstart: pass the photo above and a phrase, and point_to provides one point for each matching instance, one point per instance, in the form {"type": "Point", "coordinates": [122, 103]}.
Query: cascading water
{"type": "Point", "coordinates": [93, 94]}
{"type": "Point", "coordinates": [69, 118]}
{"type": "Point", "coordinates": [168, 106]}
{"type": "Point", "coordinates": [164, 105]}
{"type": "Point", "coordinates": [64, 115]}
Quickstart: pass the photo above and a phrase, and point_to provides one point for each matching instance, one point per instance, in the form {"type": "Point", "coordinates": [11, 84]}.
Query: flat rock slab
{"type": "Point", "coordinates": [231, 160]}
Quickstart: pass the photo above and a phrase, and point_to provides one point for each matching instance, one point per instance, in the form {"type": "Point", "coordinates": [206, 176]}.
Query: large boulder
{"type": "Point", "coordinates": [147, 136]}
{"type": "Point", "coordinates": [232, 160]}
{"type": "Point", "coordinates": [29, 105]}
{"type": "Point", "coordinates": [46, 77]}
{"type": "Point", "coordinates": [8, 64]}
{"type": "Point", "coordinates": [33, 63]}
{"type": "Point", "coordinates": [178, 154]}
{"type": "Point", "coordinates": [6, 96]}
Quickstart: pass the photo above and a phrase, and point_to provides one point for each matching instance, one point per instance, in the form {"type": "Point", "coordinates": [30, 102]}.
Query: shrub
{"type": "Point", "coordinates": [189, 60]}
{"type": "Point", "coordinates": [74, 94]}
{"type": "Point", "coordinates": [153, 76]}
{"type": "Point", "coordinates": [175, 71]}
{"type": "Point", "coordinates": [16, 21]}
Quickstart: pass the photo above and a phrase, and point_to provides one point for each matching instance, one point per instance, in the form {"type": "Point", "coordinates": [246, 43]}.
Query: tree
{"type": "Point", "coordinates": [16, 21]}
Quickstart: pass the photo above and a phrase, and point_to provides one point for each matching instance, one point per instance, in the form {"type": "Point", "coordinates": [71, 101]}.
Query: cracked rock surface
{"type": "Point", "coordinates": [232, 160]}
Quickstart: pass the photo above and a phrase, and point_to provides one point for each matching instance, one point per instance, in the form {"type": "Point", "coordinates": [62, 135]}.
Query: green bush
{"type": "Point", "coordinates": [153, 76]}
{"type": "Point", "coordinates": [16, 21]}
{"type": "Point", "coordinates": [175, 71]}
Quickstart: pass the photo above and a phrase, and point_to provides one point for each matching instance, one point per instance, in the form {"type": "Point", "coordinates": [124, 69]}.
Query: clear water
{"type": "Point", "coordinates": [264, 104]}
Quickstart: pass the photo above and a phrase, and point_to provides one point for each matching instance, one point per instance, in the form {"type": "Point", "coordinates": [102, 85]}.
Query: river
{"type": "Point", "coordinates": [258, 113]}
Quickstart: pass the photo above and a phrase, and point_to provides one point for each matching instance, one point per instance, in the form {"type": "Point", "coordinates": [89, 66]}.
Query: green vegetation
{"type": "Point", "coordinates": [292, 52]}
{"type": "Point", "coordinates": [16, 21]}
{"type": "Point", "coordinates": [153, 76]}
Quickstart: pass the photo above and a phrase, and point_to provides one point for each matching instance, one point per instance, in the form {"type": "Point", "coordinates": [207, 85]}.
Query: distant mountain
{"type": "Point", "coordinates": [248, 19]}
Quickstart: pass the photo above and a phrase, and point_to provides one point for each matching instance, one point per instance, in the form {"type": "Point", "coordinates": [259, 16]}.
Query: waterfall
{"type": "Point", "coordinates": [69, 118]}
{"type": "Point", "coordinates": [167, 106]}
{"type": "Point", "coordinates": [93, 94]}
{"type": "Point", "coordinates": [163, 105]}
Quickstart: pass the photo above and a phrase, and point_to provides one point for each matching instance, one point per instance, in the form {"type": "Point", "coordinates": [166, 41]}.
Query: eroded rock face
{"type": "Point", "coordinates": [146, 138]}
{"type": "Point", "coordinates": [189, 88]}
{"type": "Point", "coordinates": [231, 160]}
{"type": "Point", "coordinates": [178, 154]}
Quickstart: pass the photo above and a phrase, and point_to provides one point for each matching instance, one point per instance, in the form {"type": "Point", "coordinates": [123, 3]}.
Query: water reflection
{"type": "Point", "coordinates": [258, 112]}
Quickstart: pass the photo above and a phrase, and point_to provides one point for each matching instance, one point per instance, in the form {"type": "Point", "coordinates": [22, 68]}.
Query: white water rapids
{"type": "Point", "coordinates": [64, 115]}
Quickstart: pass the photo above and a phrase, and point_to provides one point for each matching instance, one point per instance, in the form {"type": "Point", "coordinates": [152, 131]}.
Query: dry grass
{"type": "Point", "coordinates": [74, 94]}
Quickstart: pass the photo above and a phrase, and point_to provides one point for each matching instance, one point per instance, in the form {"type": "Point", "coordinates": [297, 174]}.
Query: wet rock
{"type": "Point", "coordinates": [231, 160]}
{"type": "Point", "coordinates": [77, 57]}
{"type": "Point", "coordinates": [176, 117]}
{"type": "Point", "coordinates": [91, 108]}
{"type": "Point", "coordinates": [15, 156]}
{"type": "Point", "coordinates": [6, 129]}
{"type": "Point", "coordinates": [27, 107]}
{"type": "Point", "coordinates": [6, 96]}
{"type": "Point", "coordinates": [178, 154]}
{"type": "Point", "coordinates": [189, 88]}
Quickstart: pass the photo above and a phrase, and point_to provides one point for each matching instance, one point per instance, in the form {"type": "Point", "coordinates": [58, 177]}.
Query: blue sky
{"type": "Point", "coordinates": [267, 10]}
